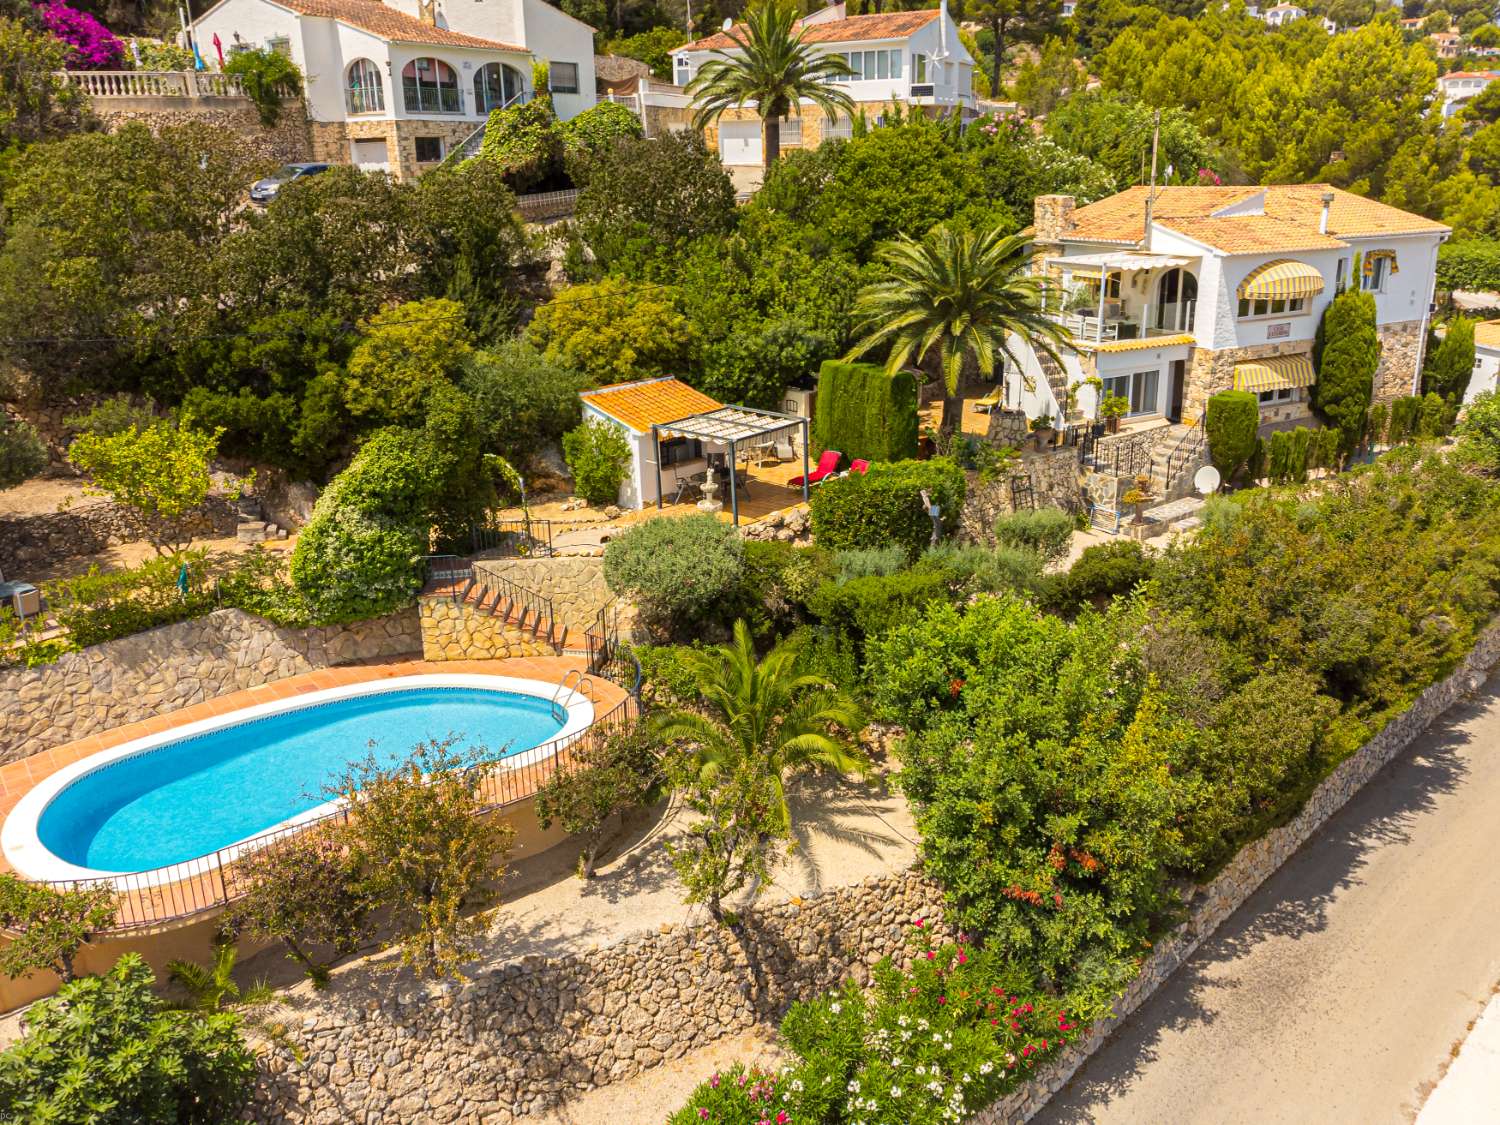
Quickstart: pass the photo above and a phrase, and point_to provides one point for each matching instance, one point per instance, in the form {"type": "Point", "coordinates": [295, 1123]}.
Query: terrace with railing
{"type": "Point", "coordinates": [120, 84]}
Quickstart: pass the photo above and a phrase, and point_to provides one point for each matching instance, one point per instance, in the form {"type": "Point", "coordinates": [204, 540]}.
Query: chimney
{"type": "Point", "coordinates": [1052, 217]}
{"type": "Point", "coordinates": [1323, 218]}
{"type": "Point", "coordinates": [427, 12]}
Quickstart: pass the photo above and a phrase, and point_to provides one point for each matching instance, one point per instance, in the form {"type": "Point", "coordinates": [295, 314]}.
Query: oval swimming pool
{"type": "Point", "coordinates": [211, 785]}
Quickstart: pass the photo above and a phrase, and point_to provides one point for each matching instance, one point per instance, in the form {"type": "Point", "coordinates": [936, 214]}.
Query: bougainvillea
{"type": "Point", "coordinates": [91, 45]}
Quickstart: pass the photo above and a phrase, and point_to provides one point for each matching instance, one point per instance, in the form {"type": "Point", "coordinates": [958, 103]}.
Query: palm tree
{"type": "Point", "coordinates": [212, 988]}
{"type": "Point", "coordinates": [774, 69]}
{"type": "Point", "coordinates": [763, 709]}
{"type": "Point", "coordinates": [955, 295]}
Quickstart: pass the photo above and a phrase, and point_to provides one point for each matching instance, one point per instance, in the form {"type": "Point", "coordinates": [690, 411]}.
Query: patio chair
{"type": "Point", "coordinates": [990, 401]}
{"type": "Point", "coordinates": [859, 465]}
{"type": "Point", "coordinates": [826, 465]}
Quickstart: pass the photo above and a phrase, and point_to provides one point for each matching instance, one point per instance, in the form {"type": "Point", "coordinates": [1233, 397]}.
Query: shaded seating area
{"type": "Point", "coordinates": [735, 434]}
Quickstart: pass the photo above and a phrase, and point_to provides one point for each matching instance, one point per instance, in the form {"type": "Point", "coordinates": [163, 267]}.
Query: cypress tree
{"type": "Point", "coordinates": [1346, 374]}
{"type": "Point", "coordinates": [1452, 361]}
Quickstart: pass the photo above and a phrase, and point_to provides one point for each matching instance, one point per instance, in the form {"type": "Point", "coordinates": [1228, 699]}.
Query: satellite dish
{"type": "Point", "coordinates": [727, 24]}
{"type": "Point", "coordinates": [1206, 480]}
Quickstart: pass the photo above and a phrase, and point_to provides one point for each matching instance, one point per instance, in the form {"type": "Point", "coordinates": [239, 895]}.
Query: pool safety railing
{"type": "Point", "coordinates": [181, 891]}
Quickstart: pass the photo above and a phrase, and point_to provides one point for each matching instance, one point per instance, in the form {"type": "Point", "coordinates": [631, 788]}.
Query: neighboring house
{"type": "Point", "coordinates": [1283, 14]}
{"type": "Point", "coordinates": [1486, 359]}
{"type": "Point", "coordinates": [1224, 289]}
{"type": "Point", "coordinates": [914, 58]}
{"type": "Point", "coordinates": [1447, 44]}
{"type": "Point", "coordinates": [395, 86]}
{"type": "Point", "coordinates": [1457, 88]}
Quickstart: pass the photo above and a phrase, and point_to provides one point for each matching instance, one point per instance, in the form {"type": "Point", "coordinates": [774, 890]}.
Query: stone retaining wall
{"type": "Point", "coordinates": [166, 669]}
{"type": "Point", "coordinates": [88, 528]}
{"type": "Point", "coordinates": [574, 583]}
{"type": "Point", "coordinates": [520, 1037]}
{"type": "Point", "coordinates": [453, 630]}
{"type": "Point", "coordinates": [285, 142]}
{"type": "Point", "coordinates": [1211, 905]}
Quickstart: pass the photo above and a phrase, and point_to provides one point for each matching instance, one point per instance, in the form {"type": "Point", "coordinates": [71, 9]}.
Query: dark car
{"type": "Point", "coordinates": [263, 191]}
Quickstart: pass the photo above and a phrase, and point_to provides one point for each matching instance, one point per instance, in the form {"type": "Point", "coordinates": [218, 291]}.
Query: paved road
{"type": "Point", "coordinates": [1339, 990]}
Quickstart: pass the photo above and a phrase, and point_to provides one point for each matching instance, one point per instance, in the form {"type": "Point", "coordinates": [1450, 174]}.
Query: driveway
{"type": "Point", "coordinates": [1339, 991]}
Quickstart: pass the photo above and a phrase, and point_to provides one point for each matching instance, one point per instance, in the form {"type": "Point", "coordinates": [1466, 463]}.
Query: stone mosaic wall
{"type": "Point", "coordinates": [88, 528]}
{"type": "Point", "coordinates": [453, 630]}
{"type": "Point", "coordinates": [1400, 345]}
{"type": "Point", "coordinates": [176, 666]}
{"type": "Point", "coordinates": [284, 142]}
{"type": "Point", "coordinates": [521, 1036]}
{"type": "Point", "coordinates": [574, 583]}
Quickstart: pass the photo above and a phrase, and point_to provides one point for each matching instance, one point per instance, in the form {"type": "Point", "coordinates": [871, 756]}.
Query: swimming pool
{"type": "Point", "coordinates": [215, 784]}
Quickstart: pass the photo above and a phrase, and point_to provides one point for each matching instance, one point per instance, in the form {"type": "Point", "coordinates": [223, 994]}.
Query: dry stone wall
{"type": "Point", "coordinates": [286, 141]}
{"type": "Point", "coordinates": [453, 630]}
{"type": "Point", "coordinates": [89, 527]}
{"type": "Point", "coordinates": [521, 1036]}
{"type": "Point", "coordinates": [166, 669]}
{"type": "Point", "coordinates": [574, 584]}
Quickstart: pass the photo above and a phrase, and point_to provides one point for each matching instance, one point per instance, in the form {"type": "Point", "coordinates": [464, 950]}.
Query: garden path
{"type": "Point", "coordinates": [1338, 991]}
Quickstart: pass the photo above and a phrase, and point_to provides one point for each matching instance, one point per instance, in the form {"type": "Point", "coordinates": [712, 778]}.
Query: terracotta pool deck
{"type": "Point", "coordinates": [18, 778]}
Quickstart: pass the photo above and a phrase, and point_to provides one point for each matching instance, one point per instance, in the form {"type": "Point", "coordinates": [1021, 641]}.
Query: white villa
{"type": "Point", "coordinates": [1457, 88]}
{"type": "Point", "coordinates": [1212, 288]}
{"type": "Point", "coordinates": [395, 85]}
{"type": "Point", "coordinates": [914, 57]}
{"type": "Point", "coordinates": [1283, 14]}
{"type": "Point", "coordinates": [1486, 359]}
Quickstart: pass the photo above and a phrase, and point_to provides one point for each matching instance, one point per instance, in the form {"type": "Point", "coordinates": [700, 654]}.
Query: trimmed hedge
{"type": "Point", "coordinates": [863, 412]}
{"type": "Point", "coordinates": [883, 507]}
{"type": "Point", "coordinates": [1231, 423]}
{"type": "Point", "coordinates": [1470, 264]}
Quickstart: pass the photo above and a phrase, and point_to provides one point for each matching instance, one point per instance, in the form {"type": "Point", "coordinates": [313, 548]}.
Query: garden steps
{"type": "Point", "coordinates": [258, 531]}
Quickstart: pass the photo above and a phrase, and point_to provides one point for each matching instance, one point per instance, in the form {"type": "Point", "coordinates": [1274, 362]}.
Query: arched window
{"type": "Point", "coordinates": [365, 92]}
{"type": "Point", "coordinates": [495, 85]}
{"type": "Point", "coordinates": [1176, 301]}
{"type": "Point", "coordinates": [430, 86]}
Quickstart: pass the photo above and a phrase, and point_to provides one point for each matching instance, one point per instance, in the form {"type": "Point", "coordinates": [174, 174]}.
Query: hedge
{"type": "Point", "coordinates": [1471, 264]}
{"type": "Point", "coordinates": [1231, 424]}
{"type": "Point", "coordinates": [864, 412]}
{"type": "Point", "coordinates": [883, 507]}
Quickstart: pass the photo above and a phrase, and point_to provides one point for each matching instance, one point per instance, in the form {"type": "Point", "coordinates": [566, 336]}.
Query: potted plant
{"type": "Point", "coordinates": [1041, 429]}
{"type": "Point", "coordinates": [1112, 408]}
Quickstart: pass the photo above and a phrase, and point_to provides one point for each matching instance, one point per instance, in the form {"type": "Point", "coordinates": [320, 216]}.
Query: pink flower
{"type": "Point", "coordinates": [942, 999]}
{"type": "Point", "coordinates": [930, 955]}
{"type": "Point", "coordinates": [782, 1118]}
{"type": "Point", "coordinates": [918, 923]}
{"type": "Point", "coordinates": [963, 958]}
{"type": "Point", "coordinates": [703, 1115]}
{"type": "Point", "coordinates": [714, 1081]}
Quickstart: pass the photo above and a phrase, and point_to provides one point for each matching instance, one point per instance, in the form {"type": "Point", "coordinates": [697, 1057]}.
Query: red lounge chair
{"type": "Point", "coordinates": [826, 464]}
{"type": "Point", "coordinates": [859, 465]}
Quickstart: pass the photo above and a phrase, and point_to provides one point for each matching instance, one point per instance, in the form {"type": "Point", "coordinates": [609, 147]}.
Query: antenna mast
{"type": "Point", "coordinates": [1151, 191]}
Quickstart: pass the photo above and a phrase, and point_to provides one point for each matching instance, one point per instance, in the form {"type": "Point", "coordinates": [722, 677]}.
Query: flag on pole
{"type": "Point", "coordinates": [219, 48]}
{"type": "Point", "coordinates": [198, 63]}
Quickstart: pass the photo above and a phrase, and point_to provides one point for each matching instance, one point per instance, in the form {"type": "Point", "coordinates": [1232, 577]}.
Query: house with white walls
{"type": "Point", "coordinates": [1486, 360]}
{"type": "Point", "coordinates": [1458, 87]}
{"type": "Point", "coordinates": [394, 86]}
{"type": "Point", "coordinates": [913, 58]}
{"type": "Point", "coordinates": [1282, 14]}
{"type": "Point", "coordinates": [1175, 294]}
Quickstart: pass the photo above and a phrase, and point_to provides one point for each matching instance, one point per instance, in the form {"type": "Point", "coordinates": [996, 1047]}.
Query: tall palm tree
{"type": "Point", "coordinates": [773, 68]}
{"type": "Point", "coordinates": [763, 709]}
{"type": "Point", "coordinates": [955, 295]}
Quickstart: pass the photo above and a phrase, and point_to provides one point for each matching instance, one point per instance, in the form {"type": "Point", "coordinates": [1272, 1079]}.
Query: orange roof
{"type": "Point", "coordinates": [1286, 220]}
{"type": "Point", "coordinates": [889, 25]}
{"type": "Point", "coordinates": [1487, 334]}
{"type": "Point", "coordinates": [648, 402]}
{"type": "Point", "coordinates": [389, 24]}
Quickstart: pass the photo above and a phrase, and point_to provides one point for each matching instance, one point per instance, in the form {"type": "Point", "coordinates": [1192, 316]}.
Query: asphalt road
{"type": "Point", "coordinates": [1339, 990]}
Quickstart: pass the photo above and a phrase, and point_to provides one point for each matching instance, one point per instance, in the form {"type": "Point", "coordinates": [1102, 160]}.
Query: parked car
{"type": "Point", "coordinates": [263, 191]}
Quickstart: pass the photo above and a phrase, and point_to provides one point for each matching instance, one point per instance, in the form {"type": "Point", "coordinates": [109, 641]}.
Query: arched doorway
{"type": "Point", "coordinates": [495, 85]}
{"type": "Point", "coordinates": [1176, 301]}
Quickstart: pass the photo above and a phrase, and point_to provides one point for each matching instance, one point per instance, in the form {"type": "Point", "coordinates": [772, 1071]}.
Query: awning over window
{"type": "Point", "coordinates": [1275, 373]}
{"type": "Point", "coordinates": [1281, 279]}
{"type": "Point", "coordinates": [1372, 256]}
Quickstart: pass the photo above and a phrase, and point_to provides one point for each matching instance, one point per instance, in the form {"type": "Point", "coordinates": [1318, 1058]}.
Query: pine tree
{"type": "Point", "coordinates": [1346, 373]}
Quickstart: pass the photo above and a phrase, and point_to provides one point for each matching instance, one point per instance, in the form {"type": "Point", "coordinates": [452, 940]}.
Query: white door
{"type": "Point", "coordinates": [372, 156]}
{"type": "Point", "coordinates": [739, 142]}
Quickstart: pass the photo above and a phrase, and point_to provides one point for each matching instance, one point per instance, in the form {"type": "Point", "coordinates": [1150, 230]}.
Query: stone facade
{"type": "Point", "coordinates": [89, 527]}
{"type": "Point", "coordinates": [1400, 359]}
{"type": "Point", "coordinates": [454, 630]}
{"type": "Point", "coordinates": [284, 142]}
{"type": "Point", "coordinates": [1210, 906]}
{"type": "Point", "coordinates": [1209, 372]}
{"type": "Point", "coordinates": [166, 669]}
{"type": "Point", "coordinates": [331, 140]}
{"type": "Point", "coordinates": [520, 1037]}
{"type": "Point", "coordinates": [574, 583]}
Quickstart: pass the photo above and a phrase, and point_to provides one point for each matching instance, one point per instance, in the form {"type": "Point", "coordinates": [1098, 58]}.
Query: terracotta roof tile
{"type": "Point", "coordinates": [390, 24]}
{"type": "Point", "coordinates": [889, 25]}
{"type": "Point", "coordinates": [648, 402]}
{"type": "Point", "coordinates": [1487, 334]}
{"type": "Point", "coordinates": [1289, 220]}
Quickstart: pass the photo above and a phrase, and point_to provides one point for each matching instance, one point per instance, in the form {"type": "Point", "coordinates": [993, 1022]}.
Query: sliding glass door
{"type": "Point", "coordinates": [1141, 388]}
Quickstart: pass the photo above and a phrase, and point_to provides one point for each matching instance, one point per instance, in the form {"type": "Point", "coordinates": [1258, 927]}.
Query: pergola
{"type": "Point", "coordinates": [732, 426]}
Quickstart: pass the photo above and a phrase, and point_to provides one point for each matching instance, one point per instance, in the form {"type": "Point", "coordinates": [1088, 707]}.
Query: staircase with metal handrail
{"type": "Point", "coordinates": [453, 577]}
{"type": "Point", "coordinates": [469, 147]}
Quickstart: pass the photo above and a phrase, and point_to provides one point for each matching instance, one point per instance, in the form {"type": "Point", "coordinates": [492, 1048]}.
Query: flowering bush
{"type": "Point", "coordinates": [92, 46]}
{"type": "Point", "coordinates": [927, 1046]}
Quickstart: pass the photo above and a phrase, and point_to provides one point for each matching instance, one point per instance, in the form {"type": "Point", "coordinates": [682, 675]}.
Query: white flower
{"type": "Point", "coordinates": [900, 1021]}
{"type": "Point", "coordinates": [986, 1066]}
{"type": "Point", "coordinates": [835, 1007]}
{"type": "Point", "coordinates": [922, 1024]}
{"type": "Point", "coordinates": [895, 1091]}
{"type": "Point", "coordinates": [854, 1085]}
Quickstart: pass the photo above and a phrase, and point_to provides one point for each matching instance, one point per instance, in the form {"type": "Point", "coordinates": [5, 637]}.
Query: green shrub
{"type": "Point", "coordinates": [1405, 417]}
{"type": "Point", "coordinates": [268, 76]}
{"type": "Point", "coordinates": [1434, 417]}
{"type": "Point", "coordinates": [865, 413]}
{"type": "Point", "coordinates": [1102, 572]}
{"type": "Point", "coordinates": [525, 141]}
{"type": "Point", "coordinates": [884, 506]}
{"type": "Point", "coordinates": [598, 456]}
{"type": "Point", "coordinates": [1346, 370]}
{"type": "Point", "coordinates": [985, 570]}
{"type": "Point", "coordinates": [869, 562]}
{"type": "Point", "coordinates": [1231, 422]}
{"type": "Point", "coordinates": [675, 569]}
{"type": "Point", "coordinates": [1479, 433]}
{"type": "Point", "coordinates": [1469, 264]}
{"type": "Point", "coordinates": [596, 129]}
{"type": "Point", "coordinates": [1451, 363]}
{"type": "Point", "coordinates": [775, 587]}
{"type": "Point", "coordinates": [522, 401]}
{"type": "Point", "coordinates": [107, 1049]}
{"type": "Point", "coordinates": [1047, 531]}
{"type": "Point", "coordinates": [667, 680]}
{"type": "Point", "coordinates": [1375, 430]}
{"type": "Point", "coordinates": [23, 454]}
{"type": "Point", "coordinates": [862, 609]}
{"type": "Point", "coordinates": [260, 428]}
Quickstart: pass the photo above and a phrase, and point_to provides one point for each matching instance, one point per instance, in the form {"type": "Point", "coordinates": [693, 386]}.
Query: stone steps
{"type": "Point", "coordinates": [258, 531]}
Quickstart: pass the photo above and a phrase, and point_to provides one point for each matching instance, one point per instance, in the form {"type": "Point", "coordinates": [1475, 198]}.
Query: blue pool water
{"type": "Point", "coordinates": [199, 794]}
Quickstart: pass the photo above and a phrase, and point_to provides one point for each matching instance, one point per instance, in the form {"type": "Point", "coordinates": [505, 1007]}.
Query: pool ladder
{"type": "Point", "coordinates": [577, 680]}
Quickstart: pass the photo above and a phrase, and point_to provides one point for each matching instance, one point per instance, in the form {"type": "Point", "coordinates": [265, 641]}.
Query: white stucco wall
{"type": "Point", "coordinates": [1486, 372]}
{"type": "Point", "coordinates": [255, 22]}
{"type": "Point", "coordinates": [557, 37]}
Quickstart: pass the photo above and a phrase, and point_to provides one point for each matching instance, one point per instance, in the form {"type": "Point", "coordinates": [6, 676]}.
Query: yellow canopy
{"type": "Point", "coordinates": [1275, 373]}
{"type": "Point", "coordinates": [1371, 256]}
{"type": "Point", "coordinates": [1280, 279]}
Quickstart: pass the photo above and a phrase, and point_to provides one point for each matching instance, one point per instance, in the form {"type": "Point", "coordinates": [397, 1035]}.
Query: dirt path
{"type": "Point", "coordinates": [1337, 992]}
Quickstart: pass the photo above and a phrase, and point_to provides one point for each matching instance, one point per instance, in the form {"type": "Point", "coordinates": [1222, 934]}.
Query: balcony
{"type": "Point", "coordinates": [1125, 295]}
{"type": "Point", "coordinates": [1120, 322]}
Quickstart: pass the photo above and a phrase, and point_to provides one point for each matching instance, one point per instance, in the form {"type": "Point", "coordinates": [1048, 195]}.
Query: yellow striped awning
{"type": "Point", "coordinates": [1371, 256]}
{"type": "Point", "coordinates": [1275, 373]}
{"type": "Point", "coordinates": [1280, 279]}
